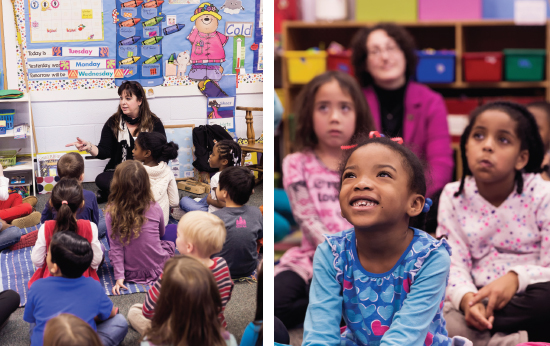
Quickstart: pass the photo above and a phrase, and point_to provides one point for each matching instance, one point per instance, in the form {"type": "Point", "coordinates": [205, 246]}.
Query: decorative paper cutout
{"type": "Point", "coordinates": [232, 6]}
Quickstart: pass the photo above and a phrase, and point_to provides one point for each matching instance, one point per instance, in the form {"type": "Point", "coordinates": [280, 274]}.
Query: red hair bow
{"type": "Point", "coordinates": [374, 134]}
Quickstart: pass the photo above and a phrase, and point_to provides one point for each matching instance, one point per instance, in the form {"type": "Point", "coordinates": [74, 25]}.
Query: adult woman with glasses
{"type": "Point", "coordinates": [119, 132]}
{"type": "Point", "coordinates": [385, 62]}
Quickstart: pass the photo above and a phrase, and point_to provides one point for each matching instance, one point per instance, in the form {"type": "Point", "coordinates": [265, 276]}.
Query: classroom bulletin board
{"type": "Point", "coordinates": [98, 44]}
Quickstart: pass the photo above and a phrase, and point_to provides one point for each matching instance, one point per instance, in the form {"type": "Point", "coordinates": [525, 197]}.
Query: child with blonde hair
{"type": "Point", "coordinates": [188, 307]}
{"type": "Point", "coordinates": [200, 235]}
{"type": "Point", "coordinates": [135, 226]}
{"type": "Point", "coordinates": [69, 330]}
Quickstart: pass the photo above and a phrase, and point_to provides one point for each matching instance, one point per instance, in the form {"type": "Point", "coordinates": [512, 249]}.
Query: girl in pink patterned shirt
{"type": "Point", "coordinates": [497, 220]}
{"type": "Point", "coordinates": [331, 109]}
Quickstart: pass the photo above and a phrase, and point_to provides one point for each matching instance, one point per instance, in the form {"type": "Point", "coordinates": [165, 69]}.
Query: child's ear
{"type": "Point", "coordinates": [54, 269]}
{"type": "Point", "coordinates": [147, 153]}
{"type": "Point", "coordinates": [82, 204]}
{"type": "Point", "coordinates": [190, 247]}
{"type": "Point", "coordinates": [50, 202]}
{"type": "Point", "coordinates": [81, 179]}
{"type": "Point", "coordinates": [415, 205]}
{"type": "Point", "coordinates": [224, 162]}
{"type": "Point", "coordinates": [522, 160]}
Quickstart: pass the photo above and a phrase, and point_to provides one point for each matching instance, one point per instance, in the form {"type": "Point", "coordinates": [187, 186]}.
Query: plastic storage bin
{"type": "Point", "coordinates": [7, 115]}
{"type": "Point", "coordinates": [435, 67]}
{"type": "Point", "coordinates": [340, 62]}
{"type": "Point", "coordinates": [524, 64]}
{"type": "Point", "coordinates": [23, 177]}
{"type": "Point", "coordinates": [391, 11]}
{"type": "Point", "coordinates": [8, 158]}
{"type": "Point", "coordinates": [304, 65]}
{"type": "Point", "coordinates": [448, 10]}
{"type": "Point", "coordinates": [483, 67]}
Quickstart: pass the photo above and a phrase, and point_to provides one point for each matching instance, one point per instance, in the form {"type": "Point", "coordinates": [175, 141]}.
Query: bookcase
{"type": "Point", "coordinates": [467, 36]}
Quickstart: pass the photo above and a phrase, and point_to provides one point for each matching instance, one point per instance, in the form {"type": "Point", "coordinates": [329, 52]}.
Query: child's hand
{"type": "Point", "coordinates": [500, 292]}
{"type": "Point", "coordinates": [475, 314]}
{"type": "Point", "coordinates": [118, 286]}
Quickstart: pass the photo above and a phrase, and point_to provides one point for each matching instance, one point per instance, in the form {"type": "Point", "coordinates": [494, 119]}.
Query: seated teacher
{"type": "Point", "coordinates": [119, 132]}
{"type": "Point", "coordinates": [384, 60]}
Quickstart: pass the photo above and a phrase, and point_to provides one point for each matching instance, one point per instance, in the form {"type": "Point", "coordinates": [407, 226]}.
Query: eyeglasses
{"type": "Point", "coordinates": [377, 52]}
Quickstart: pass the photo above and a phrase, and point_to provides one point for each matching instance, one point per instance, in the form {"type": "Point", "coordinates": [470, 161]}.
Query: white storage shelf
{"type": "Point", "coordinates": [22, 108]}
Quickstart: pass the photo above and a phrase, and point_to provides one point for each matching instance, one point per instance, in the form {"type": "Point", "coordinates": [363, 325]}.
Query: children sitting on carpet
{"type": "Point", "coordinates": [67, 198]}
{"type": "Point", "coordinates": [16, 210]}
{"type": "Point", "coordinates": [69, 330]}
{"type": "Point", "coordinates": [152, 149]}
{"type": "Point", "coordinates": [187, 310]}
{"type": "Point", "coordinates": [67, 291]}
{"type": "Point", "coordinates": [244, 224]}
{"type": "Point", "coordinates": [71, 165]}
{"type": "Point", "coordinates": [497, 220]}
{"type": "Point", "coordinates": [135, 227]}
{"type": "Point", "coordinates": [226, 153]}
{"type": "Point", "coordinates": [200, 235]}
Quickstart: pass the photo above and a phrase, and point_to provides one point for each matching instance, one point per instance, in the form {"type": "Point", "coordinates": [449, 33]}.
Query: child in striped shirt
{"type": "Point", "coordinates": [200, 234]}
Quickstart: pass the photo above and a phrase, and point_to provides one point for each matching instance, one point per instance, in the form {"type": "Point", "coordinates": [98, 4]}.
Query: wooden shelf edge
{"type": "Point", "coordinates": [488, 85]}
{"type": "Point", "coordinates": [353, 23]}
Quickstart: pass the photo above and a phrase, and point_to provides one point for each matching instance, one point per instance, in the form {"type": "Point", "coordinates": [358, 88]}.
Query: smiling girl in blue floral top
{"type": "Point", "coordinates": [386, 278]}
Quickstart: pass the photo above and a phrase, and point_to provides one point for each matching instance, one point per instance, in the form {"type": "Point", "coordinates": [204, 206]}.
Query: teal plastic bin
{"type": "Point", "coordinates": [7, 115]}
{"type": "Point", "coordinates": [524, 64]}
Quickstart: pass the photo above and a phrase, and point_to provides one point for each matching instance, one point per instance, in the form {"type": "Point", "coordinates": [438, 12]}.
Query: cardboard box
{"type": "Point", "coordinates": [193, 186]}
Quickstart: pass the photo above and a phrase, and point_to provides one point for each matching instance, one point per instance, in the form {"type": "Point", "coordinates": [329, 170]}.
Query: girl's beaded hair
{"type": "Point", "coordinates": [305, 134]}
{"type": "Point", "coordinates": [526, 130]}
{"type": "Point", "coordinates": [411, 163]}
{"type": "Point", "coordinates": [231, 151]}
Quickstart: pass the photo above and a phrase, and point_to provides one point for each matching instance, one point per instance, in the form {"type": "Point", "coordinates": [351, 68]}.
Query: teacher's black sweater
{"type": "Point", "coordinates": [109, 147]}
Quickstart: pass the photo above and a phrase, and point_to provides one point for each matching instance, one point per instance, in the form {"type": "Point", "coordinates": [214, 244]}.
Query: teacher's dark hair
{"type": "Point", "coordinates": [360, 54]}
{"type": "Point", "coordinates": [147, 118]}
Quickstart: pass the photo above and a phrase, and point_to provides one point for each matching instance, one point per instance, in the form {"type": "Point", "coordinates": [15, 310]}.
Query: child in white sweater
{"type": "Point", "coordinates": [152, 149]}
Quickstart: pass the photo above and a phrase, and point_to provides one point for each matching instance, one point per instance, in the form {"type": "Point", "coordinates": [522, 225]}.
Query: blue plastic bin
{"type": "Point", "coordinates": [436, 67]}
{"type": "Point", "coordinates": [7, 115]}
{"type": "Point", "coordinates": [502, 9]}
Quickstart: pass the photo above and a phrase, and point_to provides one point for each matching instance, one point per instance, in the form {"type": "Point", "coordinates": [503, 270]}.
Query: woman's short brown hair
{"type": "Point", "coordinates": [360, 53]}
{"type": "Point", "coordinates": [305, 134]}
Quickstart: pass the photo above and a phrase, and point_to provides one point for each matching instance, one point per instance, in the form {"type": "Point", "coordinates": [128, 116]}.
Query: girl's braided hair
{"type": "Point", "coordinates": [231, 151]}
{"type": "Point", "coordinates": [526, 130]}
{"type": "Point", "coordinates": [412, 164]}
